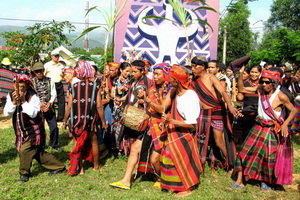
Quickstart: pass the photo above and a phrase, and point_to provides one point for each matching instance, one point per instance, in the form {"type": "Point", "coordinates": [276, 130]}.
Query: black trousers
{"type": "Point", "coordinates": [60, 101]}
{"type": "Point", "coordinates": [51, 120]}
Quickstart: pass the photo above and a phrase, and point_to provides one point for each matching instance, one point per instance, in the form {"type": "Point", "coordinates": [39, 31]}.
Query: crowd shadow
{"type": "Point", "coordinates": [8, 155]}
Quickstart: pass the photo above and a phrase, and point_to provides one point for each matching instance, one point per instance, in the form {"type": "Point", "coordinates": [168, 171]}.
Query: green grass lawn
{"type": "Point", "coordinates": [95, 184]}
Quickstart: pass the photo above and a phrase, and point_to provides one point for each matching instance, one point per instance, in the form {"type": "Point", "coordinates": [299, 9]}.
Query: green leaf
{"type": "Point", "coordinates": [85, 32]}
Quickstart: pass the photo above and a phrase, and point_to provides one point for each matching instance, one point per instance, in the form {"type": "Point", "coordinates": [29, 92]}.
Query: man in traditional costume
{"type": "Point", "coordinates": [85, 101]}
{"type": "Point", "coordinates": [108, 101]}
{"type": "Point", "coordinates": [180, 162]}
{"type": "Point", "coordinates": [46, 91]}
{"type": "Point", "coordinates": [213, 117]}
{"type": "Point", "coordinates": [260, 157]}
{"type": "Point", "coordinates": [23, 105]}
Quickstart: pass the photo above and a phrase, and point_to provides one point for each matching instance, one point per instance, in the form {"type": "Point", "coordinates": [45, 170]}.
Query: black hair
{"type": "Point", "coordinates": [199, 60]}
{"type": "Point", "coordinates": [282, 65]}
{"type": "Point", "coordinates": [139, 64]}
{"type": "Point", "coordinates": [95, 68]}
{"type": "Point", "coordinates": [248, 69]}
{"type": "Point", "coordinates": [255, 66]}
{"type": "Point", "coordinates": [124, 65]}
{"type": "Point", "coordinates": [221, 66]}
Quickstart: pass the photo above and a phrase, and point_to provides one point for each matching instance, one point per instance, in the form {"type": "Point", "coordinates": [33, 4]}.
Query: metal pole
{"type": "Point", "coordinates": [224, 45]}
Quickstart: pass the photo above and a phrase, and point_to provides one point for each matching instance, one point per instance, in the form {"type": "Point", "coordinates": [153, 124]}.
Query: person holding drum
{"type": "Point", "coordinates": [120, 89]}
{"type": "Point", "coordinates": [137, 97]}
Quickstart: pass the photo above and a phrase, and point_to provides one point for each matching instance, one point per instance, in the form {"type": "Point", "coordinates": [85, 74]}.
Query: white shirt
{"type": "Point", "coordinates": [261, 112]}
{"type": "Point", "coordinates": [54, 71]}
{"type": "Point", "coordinates": [30, 108]}
{"type": "Point", "coordinates": [188, 106]}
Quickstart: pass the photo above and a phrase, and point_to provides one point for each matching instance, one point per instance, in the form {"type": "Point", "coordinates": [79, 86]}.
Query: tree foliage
{"type": "Point", "coordinates": [281, 45]}
{"type": "Point", "coordinates": [41, 37]}
{"type": "Point", "coordinates": [239, 35]}
{"type": "Point", "coordinates": [111, 18]}
{"type": "Point", "coordinates": [285, 13]}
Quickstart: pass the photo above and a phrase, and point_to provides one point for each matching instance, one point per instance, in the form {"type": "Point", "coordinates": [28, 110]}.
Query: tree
{"type": "Point", "coordinates": [239, 35]}
{"type": "Point", "coordinates": [111, 18]}
{"type": "Point", "coordinates": [285, 13]}
{"type": "Point", "coordinates": [279, 46]}
{"type": "Point", "coordinates": [41, 37]}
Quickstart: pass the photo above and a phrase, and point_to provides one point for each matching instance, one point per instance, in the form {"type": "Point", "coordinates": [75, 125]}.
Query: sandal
{"type": "Point", "coordinates": [118, 184]}
{"type": "Point", "coordinates": [265, 187]}
{"type": "Point", "coordinates": [236, 186]}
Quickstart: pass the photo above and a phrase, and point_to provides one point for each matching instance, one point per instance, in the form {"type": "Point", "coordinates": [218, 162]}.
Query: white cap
{"type": "Point", "coordinates": [55, 52]}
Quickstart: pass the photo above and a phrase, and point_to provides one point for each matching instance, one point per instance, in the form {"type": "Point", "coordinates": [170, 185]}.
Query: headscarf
{"type": "Point", "coordinates": [178, 73]}
{"type": "Point", "coordinates": [69, 71]}
{"type": "Point", "coordinates": [84, 70]}
{"type": "Point", "coordinates": [165, 67]}
{"type": "Point", "coordinates": [114, 65]}
{"type": "Point", "coordinates": [147, 63]}
{"type": "Point", "coordinates": [275, 75]}
{"type": "Point", "coordinates": [26, 79]}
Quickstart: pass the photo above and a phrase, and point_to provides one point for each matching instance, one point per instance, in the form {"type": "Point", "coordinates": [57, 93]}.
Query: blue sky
{"type": "Point", "coordinates": [73, 11]}
{"type": "Point", "coordinates": [260, 11]}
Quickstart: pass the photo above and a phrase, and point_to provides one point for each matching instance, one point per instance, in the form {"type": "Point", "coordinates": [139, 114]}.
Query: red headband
{"type": "Point", "coordinates": [114, 65]}
{"type": "Point", "coordinates": [180, 75]}
{"type": "Point", "coordinates": [270, 74]}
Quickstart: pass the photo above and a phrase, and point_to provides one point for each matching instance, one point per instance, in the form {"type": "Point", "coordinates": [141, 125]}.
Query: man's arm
{"type": "Point", "coordinates": [9, 107]}
{"type": "Point", "coordinates": [100, 111]}
{"type": "Point", "coordinates": [241, 88]}
{"type": "Point", "coordinates": [217, 85]}
{"type": "Point", "coordinates": [53, 92]}
{"type": "Point", "coordinates": [293, 111]}
{"type": "Point", "coordinates": [68, 110]}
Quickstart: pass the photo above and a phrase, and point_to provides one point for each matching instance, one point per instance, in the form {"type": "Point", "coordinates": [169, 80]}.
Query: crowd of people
{"type": "Point", "coordinates": [170, 120]}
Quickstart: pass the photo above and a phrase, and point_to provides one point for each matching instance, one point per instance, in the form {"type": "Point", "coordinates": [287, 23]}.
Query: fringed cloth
{"type": "Point", "coordinates": [204, 135]}
{"type": "Point", "coordinates": [27, 128]}
{"type": "Point", "coordinates": [180, 162]}
{"type": "Point", "coordinates": [257, 159]}
{"type": "Point", "coordinates": [258, 155]}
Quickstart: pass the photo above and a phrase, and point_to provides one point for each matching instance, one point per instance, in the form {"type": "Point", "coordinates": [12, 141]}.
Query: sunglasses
{"type": "Point", "coordinates": [266, 82]}
{"type": "Point", "coordinates": [38, 71]}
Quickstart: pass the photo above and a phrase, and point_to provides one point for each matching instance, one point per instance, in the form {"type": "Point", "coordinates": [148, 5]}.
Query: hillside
{"type": "Point", "coordinates": [96, 37]}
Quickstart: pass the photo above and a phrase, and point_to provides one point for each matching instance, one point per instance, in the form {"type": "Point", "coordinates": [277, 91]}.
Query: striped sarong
{"type": "Point", "coordinates": [6, 82]}
{"type": "Point", "coordinates": [258, 155]}
{"type": "Point", "coordinates": [296, 122]}
{"type": "Point", "coordinates": [180, 161]}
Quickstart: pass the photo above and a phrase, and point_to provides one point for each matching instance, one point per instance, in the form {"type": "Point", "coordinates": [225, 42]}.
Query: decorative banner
{"type": "Point", "coordinates": [162, 40]}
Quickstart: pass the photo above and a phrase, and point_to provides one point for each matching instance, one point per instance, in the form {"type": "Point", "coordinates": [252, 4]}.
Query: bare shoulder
{"type": "Point", "coordinates": [283, 97]}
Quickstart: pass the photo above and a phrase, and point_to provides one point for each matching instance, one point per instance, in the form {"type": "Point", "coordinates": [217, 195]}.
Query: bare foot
{"type": "Point", "coordinates": [81, 171]}
{"type": "Point", "coordinates": [96, 168]}
{"type": "Point", "coordinates": [229, 173]}
{"type": "Point", "coordinates": [183, 194]}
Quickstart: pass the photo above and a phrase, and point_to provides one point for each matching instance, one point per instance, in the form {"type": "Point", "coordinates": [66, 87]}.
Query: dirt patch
{"type": "Point", "coordinates": [296, 153]}
{"type": "Point", "coordinates": [5, 122]}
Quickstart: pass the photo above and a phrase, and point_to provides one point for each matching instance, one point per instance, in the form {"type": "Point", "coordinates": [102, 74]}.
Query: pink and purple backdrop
{"type": "Point", "coordinates": [155, 38]}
